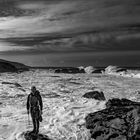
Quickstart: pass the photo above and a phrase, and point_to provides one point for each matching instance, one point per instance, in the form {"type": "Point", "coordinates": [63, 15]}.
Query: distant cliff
{"type": "Point", "coordinates": [8, 66]}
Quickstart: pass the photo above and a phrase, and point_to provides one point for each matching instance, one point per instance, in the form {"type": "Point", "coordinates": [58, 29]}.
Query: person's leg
{"type": "Point", "coordinates": [33, 121]}
{"type": "Point", "coordinates": [37, 126]}
{"type": "Point", "coordinates": [37, 121]}
{"type": "Point", "coordinates": [34, 124]}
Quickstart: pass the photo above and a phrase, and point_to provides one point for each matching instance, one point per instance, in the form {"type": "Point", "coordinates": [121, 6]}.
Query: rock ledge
{"type": "Point", "coordinates": [119, 121]}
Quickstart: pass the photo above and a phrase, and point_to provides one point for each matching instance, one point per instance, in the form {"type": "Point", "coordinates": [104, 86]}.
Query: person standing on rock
{"type": "Point", "coordinates": [34, 107]}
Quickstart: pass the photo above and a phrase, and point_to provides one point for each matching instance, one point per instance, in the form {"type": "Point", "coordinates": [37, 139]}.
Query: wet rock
{"type": "Point", "coordinates": [98, 95]}
{"type": "Point", "coordinates": [99, 70]}
{"type": "Point", "coordinates": [75, 83]}
{"type": "Point", "coordinates": [22, 89]}
{"type": "Point", "coordinates": [6, 67]}
{"type": "Point", "coordinates": [6, 83]}
{"type": "Point", "coordinates": [115, 102]}
{"type": "Point", "coordinates": [55, 76]}
{"type": "Point", "coordinates": [31, 136]}
{"type": "Point", "coordinates": [119, 121]}
{"type": "Point", "coordinates": [69, 70]}
{"type": "Point", "coordinates": [9, 83]}
{"type": "Point", "coordinates": [17, 85]}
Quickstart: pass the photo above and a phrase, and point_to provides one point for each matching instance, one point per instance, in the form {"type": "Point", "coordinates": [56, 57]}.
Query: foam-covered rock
{"type": "Point", "coordinates": [119, 121]}
{"type": "Point", "coordinates": [81, 68]}
{"type": "Point", "coordinates": [114, 69]}
{"type": "Point", "coordinates": [89, 69]}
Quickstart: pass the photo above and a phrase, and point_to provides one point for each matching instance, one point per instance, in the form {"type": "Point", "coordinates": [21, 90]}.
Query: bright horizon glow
{"type": "Point", "coordinates": [5, 46]}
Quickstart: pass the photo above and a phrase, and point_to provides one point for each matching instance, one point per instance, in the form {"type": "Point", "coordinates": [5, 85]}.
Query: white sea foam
{"type": "Point", "coordinates": [63, 115]}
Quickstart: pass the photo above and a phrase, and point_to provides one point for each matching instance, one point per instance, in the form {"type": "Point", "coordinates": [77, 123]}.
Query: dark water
{"type": "Point", "coordinates": [100, 59]}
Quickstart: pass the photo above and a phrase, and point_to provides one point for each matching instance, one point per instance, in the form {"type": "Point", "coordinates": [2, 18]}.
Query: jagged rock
{"type": "Point", "coordinates": [115, 102]}
{"type": "Point", "coordinates": [6, 67]}
{"type": "Point", "coordinates": [98, 95]}
{"type": "Point", "coordinates": [31, 136]}
{"type": "Point", "coordinates": [119, 121]}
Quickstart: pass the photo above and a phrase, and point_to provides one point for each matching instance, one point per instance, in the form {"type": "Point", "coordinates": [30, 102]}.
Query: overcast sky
{"type": "Point", "coordinates": [70, 32]}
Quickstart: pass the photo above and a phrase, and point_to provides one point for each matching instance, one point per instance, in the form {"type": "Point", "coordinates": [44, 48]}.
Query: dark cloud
{"type": "Point", "coordinates": [70, 25]}
{"type": "Point", "coordinates": [8, 8]}
{"type": "Point", "coordinates": [123, 38]}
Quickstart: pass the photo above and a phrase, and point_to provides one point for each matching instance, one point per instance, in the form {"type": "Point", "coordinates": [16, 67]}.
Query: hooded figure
{"type": "Point", "coordinates": [34, 107]}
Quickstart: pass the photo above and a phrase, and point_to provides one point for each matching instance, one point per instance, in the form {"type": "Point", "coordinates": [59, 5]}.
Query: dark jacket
{"type": "Point", "coordinates": [34, 100]}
